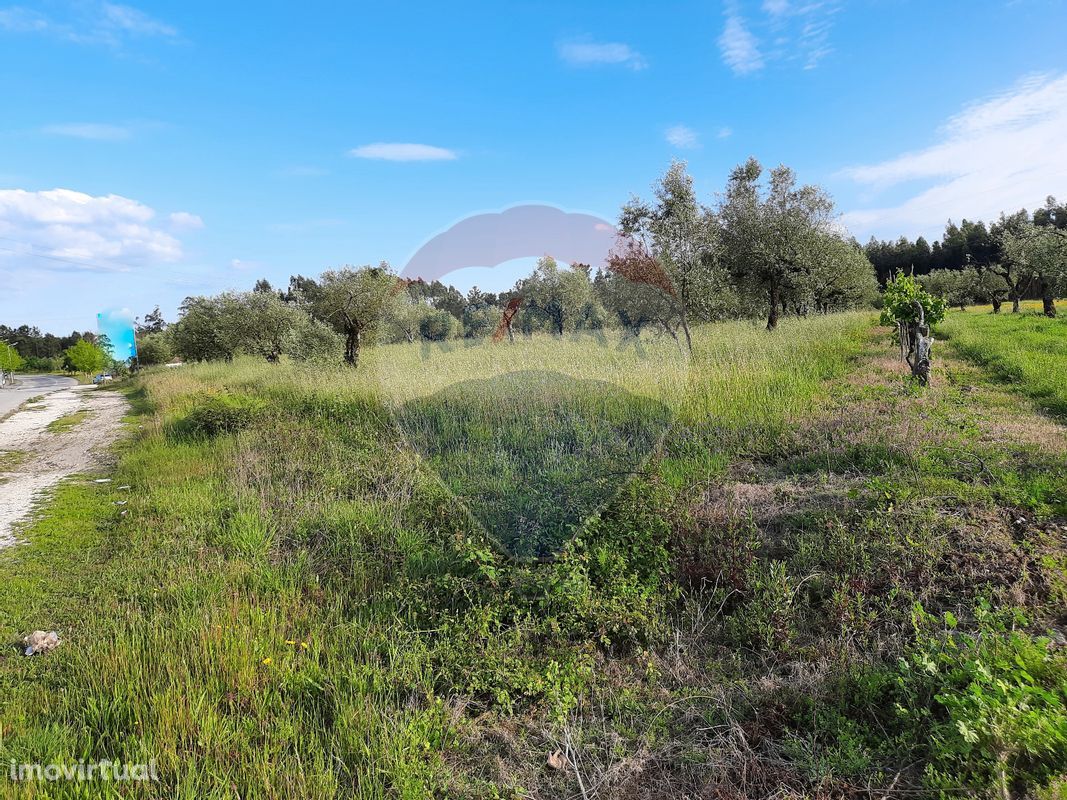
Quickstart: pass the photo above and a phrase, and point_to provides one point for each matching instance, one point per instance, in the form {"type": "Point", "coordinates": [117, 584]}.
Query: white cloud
{"type": "Point", "coordinates": [89, 130]}
{"type": "Point", "coordinates": [64, 229]}
{"type": "Point", "coordinates": [813, 40]}
{"type": "Point", "coordinates": [740, 49]}
{"type": "Point", "coordinates": [100, 23]}
{"type": "Point", "coordinates": [397, 151]}
{"type": "Point", "coordinates": [16, 19]}
{"type": "Point", "coordinates": [244, 266]}
{"type": "Point", "coordinates": [137, 23]}
{"type": "Point", "coordinates": [682, 136]}
{"type": "Point", "coordinates": [184, 221]}
{"type": "Point", "coordinates": [788, 32]}
{"type": "Point", "coordinates": [999, 154]}
{"type": "Point", "coordinates": [725, 132]}
{"type": "Point", "coordinates": [586, 54]}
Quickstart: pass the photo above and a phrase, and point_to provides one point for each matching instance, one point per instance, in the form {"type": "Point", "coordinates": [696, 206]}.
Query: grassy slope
{"type": "Point", "coordinates": [295, 608]}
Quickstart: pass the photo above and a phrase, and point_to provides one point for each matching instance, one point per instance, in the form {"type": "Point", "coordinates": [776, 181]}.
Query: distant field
{"type": "Point", "coordinates": [805, 572]}
{"type": "Point", "coordinates": [1027, 349]}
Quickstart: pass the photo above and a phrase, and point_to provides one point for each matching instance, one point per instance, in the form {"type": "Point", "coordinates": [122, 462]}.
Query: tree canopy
{"type": "Point", "coordinates": [85, 357]}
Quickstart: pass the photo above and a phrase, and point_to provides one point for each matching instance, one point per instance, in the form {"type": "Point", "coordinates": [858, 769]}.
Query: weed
{"type": "Point", "coordinates": [67, 422]}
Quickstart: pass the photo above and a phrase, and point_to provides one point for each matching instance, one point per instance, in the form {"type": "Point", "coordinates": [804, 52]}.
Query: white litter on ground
{"type": "Point", "coordinates": [40, 642]}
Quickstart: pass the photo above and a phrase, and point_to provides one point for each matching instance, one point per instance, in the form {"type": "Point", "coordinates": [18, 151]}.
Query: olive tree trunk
{"type": "Point", "coordinates": [1048, 299]}
{"type": "Point", "coordinates": [775, 298]}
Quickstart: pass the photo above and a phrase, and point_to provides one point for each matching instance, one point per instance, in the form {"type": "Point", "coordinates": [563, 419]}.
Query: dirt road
{"type": "Point", "coordinates": [33, 458]}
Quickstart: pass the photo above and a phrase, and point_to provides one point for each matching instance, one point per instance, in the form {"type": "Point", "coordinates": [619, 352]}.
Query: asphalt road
{"type": "Point", "coordinates": [27, 386]}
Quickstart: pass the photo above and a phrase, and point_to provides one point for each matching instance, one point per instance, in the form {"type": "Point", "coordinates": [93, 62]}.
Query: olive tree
{"type": "Point", "coordinates": [956, 286]}
{"type": "Point", "coordinates": [265, 325]}
{"type": "Point", "coordinates": [636, 304]}
{"type": "Point", "coordinates": [559, 296]}
{"type": "Point", "coordinates": [1041, 250]}
{"type": "Point", "coordinates": [989, 286]}
{"type": "Point", "coordinates": [772, 235]}
{"type": "Point", "coordinates": [352, 301]}
{"type": "Point", "coordinates": [840, 277]}
{"type": "Point", "coordinates": [154, 348]}
{"type": "Point", "coordinates": [255, 323]}
{"type": "Point", "coordinates": [1017, 274]}
{"type": "Point", "coordinates": [679, 235]}
{"type": "Point", "coordinates": [402, 314]}
{"type": "Point", "coordinates": [207, 328]}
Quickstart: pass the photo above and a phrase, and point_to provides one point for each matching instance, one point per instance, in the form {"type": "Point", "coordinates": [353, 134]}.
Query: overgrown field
{"type": "Point", "coordinates": [818, 580]}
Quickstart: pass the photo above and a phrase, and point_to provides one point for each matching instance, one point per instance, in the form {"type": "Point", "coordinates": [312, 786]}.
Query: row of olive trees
{"type": "Point", "coordinates": [1033, 258]}
{"type": "Point", "coordinates": [258, 323]}
{"type": "Point", "coordinates": [1017, 256]}
{"type": "Point", "coordinates": [768, 243]}
{"type": "Point", "coordinates": [768, 246]}
{"type": "Point", "coordinates": [316, 320]}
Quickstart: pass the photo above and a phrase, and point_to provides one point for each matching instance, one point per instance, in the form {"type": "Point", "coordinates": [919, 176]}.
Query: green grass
{"type": "Point", "coordinates": [1027, 350]}
{"type": "Point", "coordinates": [11, 459]}
{"type": "Point", "coordinates": [295, 604]}
{"type": "Point", "coordinates": [67, 422]}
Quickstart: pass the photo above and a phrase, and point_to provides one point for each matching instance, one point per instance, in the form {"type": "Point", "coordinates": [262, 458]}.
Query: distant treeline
{"type": "Point", "coordinates": [41, 352]}
{"type": "Point", "coordinates": [969, 244]}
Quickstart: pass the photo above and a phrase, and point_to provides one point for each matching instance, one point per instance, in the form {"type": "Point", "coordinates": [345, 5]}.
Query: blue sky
{"type": "Point", "coordinates": [149, 151]}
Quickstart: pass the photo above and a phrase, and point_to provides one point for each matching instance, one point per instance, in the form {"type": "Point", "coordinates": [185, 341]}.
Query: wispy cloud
{"type": "Point", "coordinates": [813, 41]}
{"type": "Point", "coordinates": [133, 21]}
{"type": "Point", "coordinates": [184, 221]}
{"type": "Point", "coordinates": [89, 130]}
{"type": "Point", "coordinates": [64, 229]}
{"type": "Point", "coordinates": [97, 23]}
{"type": "Point", "coordinates": [585, 53]}
{"type": "Point", "coordinates": [725, 133]}
{"type": "Point", "coordinates": [1001, 153]}
{"type": "Point", "coordinates": [16, 19]}
{"type": "Point", "coordinates": [740, 49]}
{"type": "Point", "coordinates": [682, 136]}
{"type": "Point", "coordinates": [780, 31]}
{"type": "Point", "coordinates": [776, 8]}
{"type": "Point", "coordinates": [398, 151]}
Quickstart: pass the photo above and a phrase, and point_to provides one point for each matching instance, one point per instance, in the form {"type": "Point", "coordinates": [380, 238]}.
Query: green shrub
{"type": "Point", "coordinates": [221, 414]}
{"type": "Point", "coordinates": [997, 706]}
{"type": "Point", "coordinates": [982, 712]}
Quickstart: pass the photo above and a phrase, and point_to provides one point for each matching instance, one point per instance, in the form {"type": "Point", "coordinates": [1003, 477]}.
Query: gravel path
{"type": "Point", "coordinates": [34, 459]}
